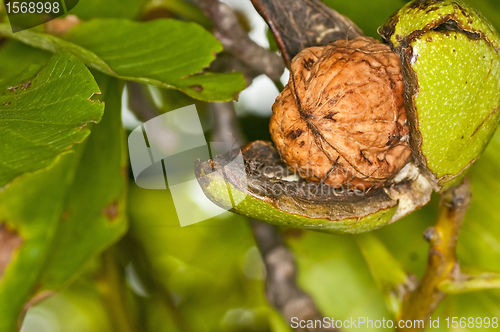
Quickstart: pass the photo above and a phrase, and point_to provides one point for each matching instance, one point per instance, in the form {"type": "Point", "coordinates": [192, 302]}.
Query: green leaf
{"type": "Point", "coordinates": [163, 52]}
{"type": "Point", "coordinates": [31, 208]}
{"type": "Point", "coordinates": [66, 213]}
{"type": "Point", "coordinates": [221, 262]}
{"type": "Point", "coordinates": [483, 220]}
{"type": "Point", "coordinates": [95, 210]}
{"type": "Point", "coordinates": [16, 56]}
{"type": "Point", "coordinates": [333, 271]}
{"type": "Point", "coordinates": [386, 270]}
{"type": "Point", "coordinates": [181, 8]}
{"type": "Point", "coordinates": [46, 115]}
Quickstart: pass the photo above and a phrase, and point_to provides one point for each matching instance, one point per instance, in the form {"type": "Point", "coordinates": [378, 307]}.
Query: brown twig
{"type": "Point", "coordinates": [442, 264]}
{"type": "Point", "coordinates": [227, 63]}
{"type": "Point", "coordinates": [281, 279]}
{"type": "Point", "coordinates": [225, 126]}
{"type": "Point", "coordinates": [139, 103]}
{"type": "Point", "coordinates": [236, 41]}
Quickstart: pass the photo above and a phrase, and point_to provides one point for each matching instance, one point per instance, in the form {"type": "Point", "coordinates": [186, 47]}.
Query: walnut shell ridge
{"type": "Point", "coordinates": [341, 119]}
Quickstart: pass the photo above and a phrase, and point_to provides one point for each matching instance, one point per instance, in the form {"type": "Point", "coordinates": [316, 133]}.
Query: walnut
{"type": "Point", "coordinates": [341, 118]}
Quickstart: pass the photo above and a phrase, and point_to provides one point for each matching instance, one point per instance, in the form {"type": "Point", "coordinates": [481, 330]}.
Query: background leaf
{"type": "Point", "coordinates": [333, 271]}
{"type": "Point", "coordinates": [95, 208]}
{"type": "Point", "coordinates": [31, 206]}
{"type": "Point", "coordinates": [479, 243]}
{"type": "Point", "coordinates": [16, 56]}
{"type": "Point", "coordinates": [44, 116]}
{"type": "Point", "coordinates": [162, 52]}
{"type": "Point", "coordinates": [217, 257]}
{"type": "Point", "coordinates": [68, 212]}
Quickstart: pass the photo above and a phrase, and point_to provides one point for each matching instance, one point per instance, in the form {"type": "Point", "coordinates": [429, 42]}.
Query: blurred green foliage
{"type": "Point", "coordinates": [123, 53]}
{"type": "Point", "coordinates": [367, 15]}
{"type": "Point", "coordinates": [89, 9]}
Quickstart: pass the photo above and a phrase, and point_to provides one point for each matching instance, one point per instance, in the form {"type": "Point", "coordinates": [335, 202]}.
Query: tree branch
{"type": "Point", "coordinates": [442, 265]}
{"type": "Point", "coordinates": [236, 41]}
{"type": "Point", "coordinates": [225, 126]}
{"type": "Point", "coordinates": [139, 103]}
{"type": "Point", "coordinates": [281, 278]}
{"type": "Point", "coordinates": [227, 63]}
{"type": "Point", "coordinates": [468, 283]}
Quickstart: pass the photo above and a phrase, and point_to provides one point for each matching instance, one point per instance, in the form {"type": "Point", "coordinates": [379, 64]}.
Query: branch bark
{"type": "Point", "coordinates": [225, 126]}
{"type": "Point", "coordinates": [442, 265]}
{"type": "Point", "coordinates": [139, 103]}
{"type": "Point", "coordinates": [236, 41]}
{"type": "Point", "coordinates": [281, 279]}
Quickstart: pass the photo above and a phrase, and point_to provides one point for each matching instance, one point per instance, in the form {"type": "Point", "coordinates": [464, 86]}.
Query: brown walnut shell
{"type": "Point", "coordinates": [340, 119]}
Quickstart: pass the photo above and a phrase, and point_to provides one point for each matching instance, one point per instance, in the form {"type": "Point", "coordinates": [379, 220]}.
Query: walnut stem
{"type": "Point", "coordinates": [236, 41]}
{"type": "Point", "coordinates": [442, 265]}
